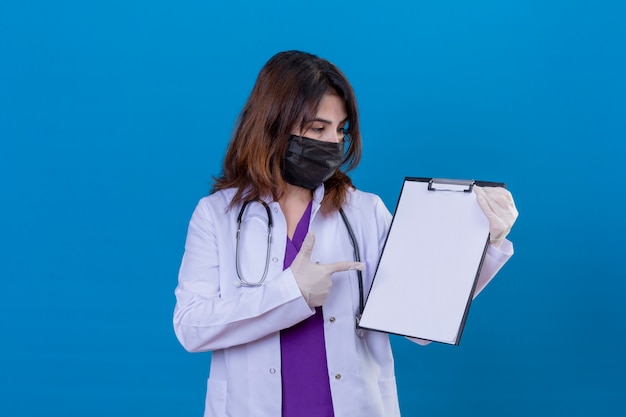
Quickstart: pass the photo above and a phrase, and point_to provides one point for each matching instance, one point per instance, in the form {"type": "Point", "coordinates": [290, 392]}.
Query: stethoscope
{"type": "Point", "coordinates": [270, 224]}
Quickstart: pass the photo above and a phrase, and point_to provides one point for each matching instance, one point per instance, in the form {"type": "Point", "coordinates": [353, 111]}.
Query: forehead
{"type": "Point", "coordinates": [332, 107]}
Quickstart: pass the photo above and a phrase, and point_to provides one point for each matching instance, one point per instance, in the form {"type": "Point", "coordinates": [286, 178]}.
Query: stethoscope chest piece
{"type": "Point", "coordinates": [360, 332]}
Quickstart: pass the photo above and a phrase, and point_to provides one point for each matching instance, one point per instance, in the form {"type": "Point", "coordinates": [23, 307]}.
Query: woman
{"type": "Point", "coordinates": [281, 321]}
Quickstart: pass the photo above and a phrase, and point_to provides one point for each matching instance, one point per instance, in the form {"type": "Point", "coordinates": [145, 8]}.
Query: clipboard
{"type": "Point", "coordinates": [430, 262]}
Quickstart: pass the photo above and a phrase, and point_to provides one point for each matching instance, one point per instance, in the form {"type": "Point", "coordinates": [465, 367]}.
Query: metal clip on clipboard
{"type": "Point", "coordinates": [445, 184]}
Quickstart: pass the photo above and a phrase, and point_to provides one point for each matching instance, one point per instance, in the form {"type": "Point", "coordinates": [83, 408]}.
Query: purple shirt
{"type": "Point", "coordinates": [306, 386]}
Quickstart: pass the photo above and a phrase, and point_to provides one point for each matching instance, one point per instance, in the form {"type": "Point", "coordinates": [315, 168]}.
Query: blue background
{"type": "Point", "coordinates": [114, 115]}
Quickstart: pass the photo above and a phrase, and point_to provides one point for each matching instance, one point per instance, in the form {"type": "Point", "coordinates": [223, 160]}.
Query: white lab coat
{"type": "Point", "coordinates": [241, 325]}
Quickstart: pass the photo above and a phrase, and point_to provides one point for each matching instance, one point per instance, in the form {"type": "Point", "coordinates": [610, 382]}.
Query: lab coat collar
{"type": "Point", "coordinates": [318, 195]}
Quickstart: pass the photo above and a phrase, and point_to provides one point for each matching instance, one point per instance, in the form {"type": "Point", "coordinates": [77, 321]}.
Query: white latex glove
{"type": "Point", "coordinates": [497, 204]}
{"type": "Point", "coordinates": [313, 278]}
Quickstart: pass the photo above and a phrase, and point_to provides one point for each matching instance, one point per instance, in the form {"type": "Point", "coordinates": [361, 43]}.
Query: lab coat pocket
{"type": "Point", "coordinates": [389, 394]}
{"type": "Point", "coordinates": [215, 405]}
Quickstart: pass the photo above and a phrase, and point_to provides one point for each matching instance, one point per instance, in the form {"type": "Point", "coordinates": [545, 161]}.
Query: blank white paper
{"type": "Point", "coordinates": [427, 271]}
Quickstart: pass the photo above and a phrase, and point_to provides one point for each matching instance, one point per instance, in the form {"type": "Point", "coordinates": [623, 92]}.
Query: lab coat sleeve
{"type": "Point", "coordinates": [495, 258]}
{"type": "Point", "coordinates": [205, 319]}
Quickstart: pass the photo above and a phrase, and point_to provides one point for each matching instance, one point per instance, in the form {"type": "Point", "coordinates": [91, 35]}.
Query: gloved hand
{"type": "Point", "coordinates": [313, 278]}
{"type": "Point", "coordinates": [497, 204]}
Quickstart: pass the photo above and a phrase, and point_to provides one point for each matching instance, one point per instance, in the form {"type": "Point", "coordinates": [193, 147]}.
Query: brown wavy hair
{"type": "Point", "coordinates": [287, 94]}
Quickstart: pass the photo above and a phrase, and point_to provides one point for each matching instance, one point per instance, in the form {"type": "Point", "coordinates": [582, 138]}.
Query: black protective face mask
{"type": "Point", "coordinates": [309, 162]}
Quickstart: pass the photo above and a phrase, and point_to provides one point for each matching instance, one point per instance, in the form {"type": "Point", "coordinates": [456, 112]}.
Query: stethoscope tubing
{"type": "Point", "coordinates": [357, 258]}
{"type": "Point", "coordinates": [270, 224]}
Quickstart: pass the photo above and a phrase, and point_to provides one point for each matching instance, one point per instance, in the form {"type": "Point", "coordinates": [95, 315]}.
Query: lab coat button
{"type": "Point", "coordinates": [275, 209]}
{"type": "Point", "coordinates": [272, 370]}
{"type": "Point", "coordinates": [274, 259]}
{"type": "Point", "coordinates": [338, 377]}
{"type": "Point", "coordinates": [332, 319]}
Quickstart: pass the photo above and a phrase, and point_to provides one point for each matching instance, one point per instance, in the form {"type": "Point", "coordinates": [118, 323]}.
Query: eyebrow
{"type": "Point", "coordinates": [328, 122]}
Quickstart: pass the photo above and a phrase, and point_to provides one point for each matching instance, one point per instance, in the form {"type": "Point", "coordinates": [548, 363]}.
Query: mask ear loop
{"type": "Point", "coordinates": [357, 258]}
